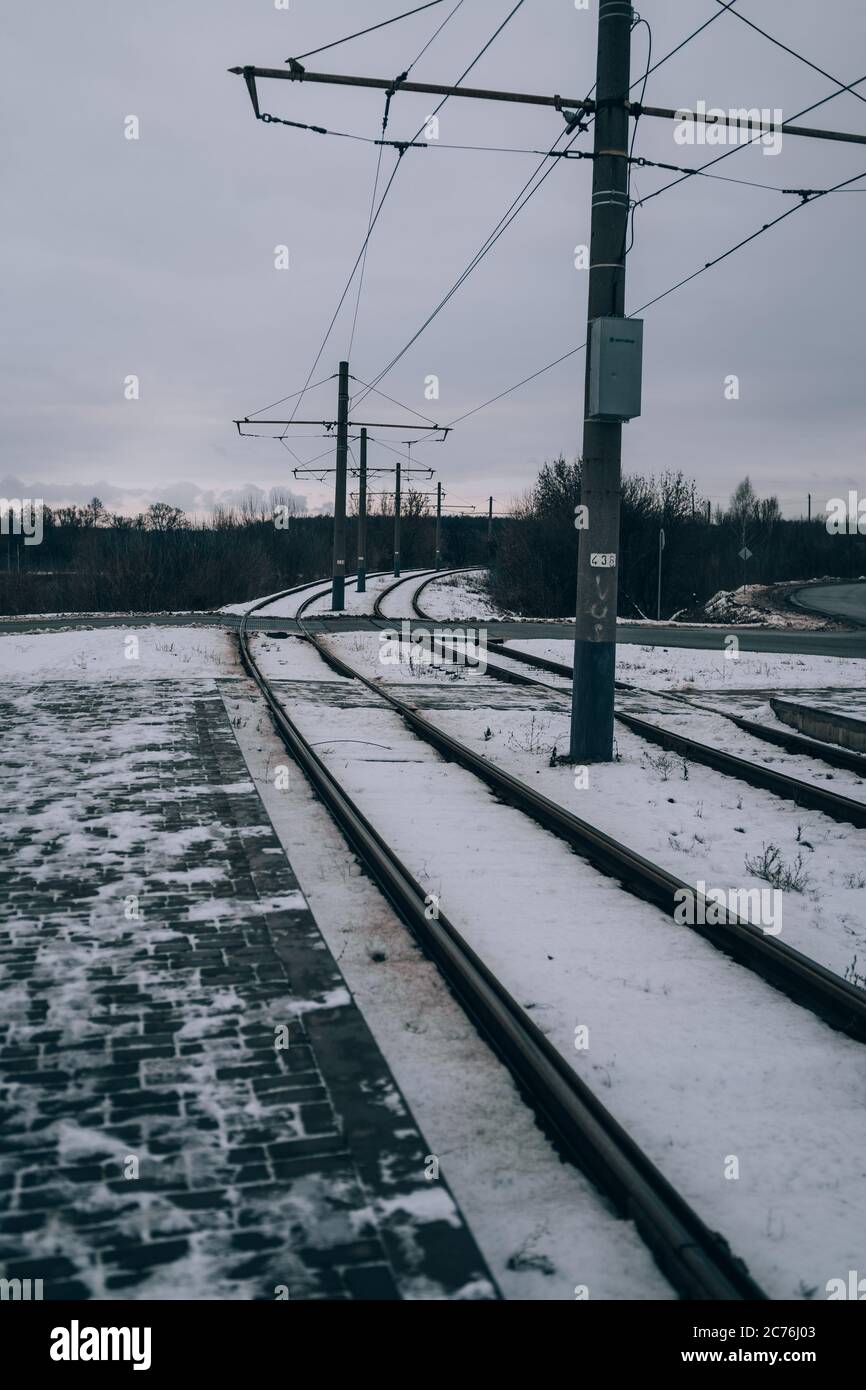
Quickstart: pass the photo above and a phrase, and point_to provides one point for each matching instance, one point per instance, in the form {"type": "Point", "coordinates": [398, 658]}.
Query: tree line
{"type": "Point", "coordinates": [92, 560]}
{"type": "Point", "coordinates": [706, 549]}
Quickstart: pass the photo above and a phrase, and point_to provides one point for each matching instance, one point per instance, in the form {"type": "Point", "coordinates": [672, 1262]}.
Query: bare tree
{"type": "Point", "coordinates": [161, 516]}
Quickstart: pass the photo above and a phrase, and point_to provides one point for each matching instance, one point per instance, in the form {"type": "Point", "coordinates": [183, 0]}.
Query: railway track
{"type": "Point", "coordinates": [248, 621]}
{"type": "Point", "coordinates": [429, 578]}
{"type": "Point", "coordinates": [844, 809]}
{"type": "Point", "coordinates": [783, 738]}
{"type": "Point", "coordinates": [322, 587]}
{"type": "Point", "coordinates": [697, 1261]}
{"type": "Point", "coordinates": [793, 742]}
{"type": "Point", "coordinates": [803, 980]}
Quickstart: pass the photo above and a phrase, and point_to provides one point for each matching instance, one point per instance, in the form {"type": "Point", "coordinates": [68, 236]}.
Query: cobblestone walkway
{"type": "Point", "coordinates": [191, 1104]}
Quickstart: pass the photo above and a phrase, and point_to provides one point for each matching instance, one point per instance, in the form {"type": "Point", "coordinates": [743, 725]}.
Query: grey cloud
{"type": "Point", "coordinates": [190, 497]}
{"type": "Point", "coordinates": [155, 257]}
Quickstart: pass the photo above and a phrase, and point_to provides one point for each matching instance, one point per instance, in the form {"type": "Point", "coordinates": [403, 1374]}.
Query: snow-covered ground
{"type": "Point", "coordinates": [291, 658]}
{"type": "Point", "coordinates": [540, 1224]}
{"type": "Point", "coordinates": [363, 603]}
{"type": "Point", "coordinates": [465, 595]}
{"type": "Point", "coordinates": [691, 820]}
{"type": "Point", "coordinates": [698, 1058]}
{"type": "Point", "coordinates": [399, 603]}
{"type": "Point", "coordinates": [282, 605]}
{"type": "Point", "coordinates": [691, 668]}
{"type": "Point", "coordinates": [764, 604]}
{"type": "Point", "coordinates": [118, 653]}
{"type": "Point", "coordinates": [460, 596]}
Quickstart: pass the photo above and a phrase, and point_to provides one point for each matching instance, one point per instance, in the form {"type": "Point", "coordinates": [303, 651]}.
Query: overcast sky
{"type": "Point", "coordinates": [155, 257]}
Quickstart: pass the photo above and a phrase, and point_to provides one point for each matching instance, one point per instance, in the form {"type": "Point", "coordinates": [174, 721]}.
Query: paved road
{"type": "Point", "coordinates": [751, 639]}
{"type": "Point", "coordinates": [847, 601]}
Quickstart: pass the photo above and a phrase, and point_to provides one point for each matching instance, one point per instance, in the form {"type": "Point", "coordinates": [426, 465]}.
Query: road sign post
{"type": "Point", "coordinates": [661, 548]}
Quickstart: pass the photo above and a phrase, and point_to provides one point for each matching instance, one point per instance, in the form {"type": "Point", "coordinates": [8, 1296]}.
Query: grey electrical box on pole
{"type": "Point", "coordinates": [615, 359]}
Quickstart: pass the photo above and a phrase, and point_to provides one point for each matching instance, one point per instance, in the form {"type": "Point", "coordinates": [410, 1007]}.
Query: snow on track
{"type": "Point", "coordinates": [460, 596]}
{"type": "Point", "coordinates": [287, 606]}
{"type": "Point", "coordinates": [689, 819]}
{"type": "Point", "coordinates": [540, 1224]}
{"type": "Point", "coordinates": [399, 604]}
{"type": "Point", "coordinates": [357, 603]}
{"type": "Point", "coordinates": [701, 1061]}
{"type": "Point", "coordinates": [692, 669]}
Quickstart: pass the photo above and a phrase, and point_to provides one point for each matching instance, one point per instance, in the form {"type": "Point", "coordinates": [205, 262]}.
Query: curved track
{"type": "Point", "coordinates": [697, 1261]}
{"type": "Point", "coordinates": [784, 738]}
{"type": "Point", "coordinates": [805, 981]}
{"type": "Point", "coordinates": [427, 577]}
{"type": "Point", "coordinates": [840, 808]}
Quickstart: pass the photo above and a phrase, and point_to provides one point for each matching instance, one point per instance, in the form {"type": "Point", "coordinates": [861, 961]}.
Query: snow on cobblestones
{"type": "Point", "coordinates": [166, 1001]}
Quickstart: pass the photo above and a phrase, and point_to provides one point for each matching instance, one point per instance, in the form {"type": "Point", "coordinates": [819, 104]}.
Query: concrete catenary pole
{"type": "Point", "coordinates": [338, 591]}
{"type": "Point", "coordinates": [362, 518]}
{"type": "Point", "coordinates": [397, 505]}
{"type": "Point", "coordinates": [598, 552]}
{"type": "Point", "coordinates": [438, 526]}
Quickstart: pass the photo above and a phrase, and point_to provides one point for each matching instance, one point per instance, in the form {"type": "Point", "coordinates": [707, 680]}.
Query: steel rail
{"type": "Point", "coordinates": [801, 743]}
{"type": "Point", "coordinates": [803, 980]}
{"type": "Point", "coordinates": [697, 1261]}
{"type": "Point", "coordinates": [284, 593]}
{"type": "Point", "coordinates": [844, 809]}
{"type": "Point", "coordinates": [438, 574]}
{"type": "Point", "coordinates": [430, 577]}
{"type": "Point", "coordinates": [785, 738]}
{"type": "Point", "coordinates": [398, 584]}
{"type": "Point", "coordinates": [839, 808]}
